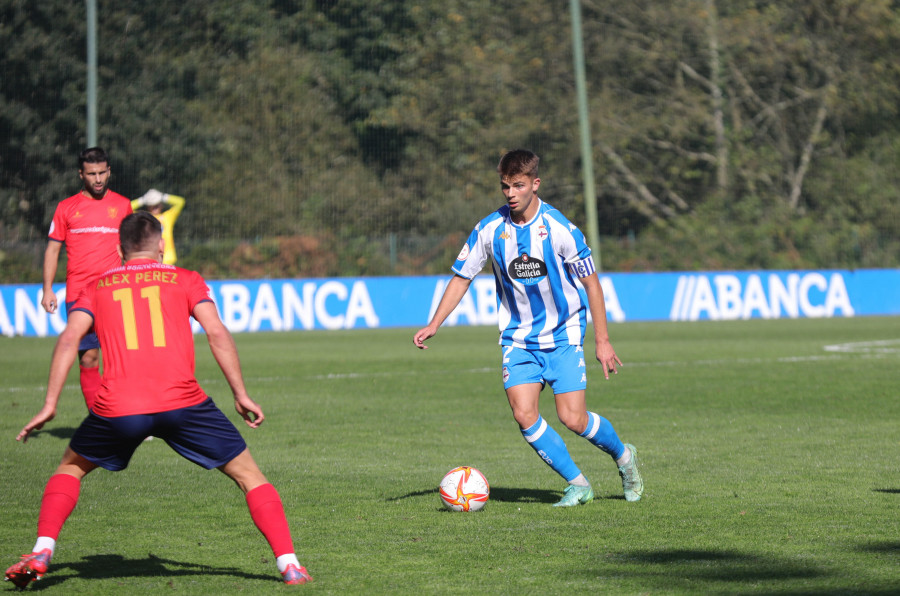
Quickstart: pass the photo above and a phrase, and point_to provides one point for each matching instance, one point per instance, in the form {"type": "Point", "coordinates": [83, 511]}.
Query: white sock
{"type": "Point", "coordinates": [580, 480]}
{"type": "Point", "coordinates": [284, 560]}
{"type": "Point", "coordinates": [44, 542]}
{"type": "Point", "coordinates": [626, 457]}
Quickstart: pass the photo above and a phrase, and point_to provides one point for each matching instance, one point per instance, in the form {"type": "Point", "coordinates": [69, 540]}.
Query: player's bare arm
{"type": "Point", "coordinates": [64, 354]}
{"type": "Point", "coordinates": [224, 350]}
{"type": "Point", "coordinates": [51, 262]}
{"type": "Point", "coordinates": [453, 293]}
{"type": "Point", "coordinates": [606, 355]}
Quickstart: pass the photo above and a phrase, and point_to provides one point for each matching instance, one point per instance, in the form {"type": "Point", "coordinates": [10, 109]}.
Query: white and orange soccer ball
{"type": "Point", "coordinates": [464, 489]}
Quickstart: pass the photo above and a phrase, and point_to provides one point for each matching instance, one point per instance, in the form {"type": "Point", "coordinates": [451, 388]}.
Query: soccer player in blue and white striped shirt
{"type": "Point", "coordinates": [537, 255]}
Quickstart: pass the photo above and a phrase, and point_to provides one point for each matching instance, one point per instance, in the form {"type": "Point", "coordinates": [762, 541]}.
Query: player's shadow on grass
{"type": "Point", "coordinates": [524, 495]}
{"type": "Point", "coordinates": [498, 493]}
{"type": "Point", "coordinates": [117, 566]}
{"type": "Point", "coordinates": [889, 546]}
{"type": "Point", "coordinates": [503, 494]}
{"type": "Point", "coordinates": [890, 491]}
{"type": "Point", "coordinates": [64, 432]}
{"type": "Point", "coordinates": [536, 495]}
{"type": "Point", "coordinates": [676, 569]}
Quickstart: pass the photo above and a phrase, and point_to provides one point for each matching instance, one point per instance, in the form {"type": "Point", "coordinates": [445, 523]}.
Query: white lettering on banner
{"type": "Point", "coordinates": [30, 312]}
{"type": "Point", "coordinates": [614, 311]}
{"type": "Point", "coordinates": [242, 311]}
{"type": "Point", "coordinates": [6, 327]}
{"type": "Point", "coordinates": [327, 289]}
{"type": "Point", "coordinates": [265, 308]}
{"type": "Point", "coordinates": [436, 297]}
{"type": "Point", "coordinates": [786, 296]}
{"type": "Point", "coordinates": [235, 306]}
{"type": "Point", "coordinates": [726, 299]}
{"type": "Point", "coordinates": [360, 306]}
{"type": "Point", "coordinates": [613, 306]}
{"type": "Point", "coordinates": [33, 312]}
{"type": "Point", "coordinates": [465, 309]}
{"type": "Point", "coordinates": [486, 297]}
{"type": "Point", "coordinates": [293, 305]}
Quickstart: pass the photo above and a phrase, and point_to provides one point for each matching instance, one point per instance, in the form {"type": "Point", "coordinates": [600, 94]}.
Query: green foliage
{"type": "Point", "coordinates": [718, 128]}
{"type": "Point", "coordinates": [768, 464]}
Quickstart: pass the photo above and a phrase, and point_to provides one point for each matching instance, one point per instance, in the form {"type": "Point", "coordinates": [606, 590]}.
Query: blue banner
{"type": "Point", "coordinates": [361, 303]}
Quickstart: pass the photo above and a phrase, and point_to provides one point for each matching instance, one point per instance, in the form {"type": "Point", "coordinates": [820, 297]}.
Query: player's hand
{"type": "Point", "coordinates": [37, 423]}
{"type": "Point", "coordinates": [48, 301]}
{"type": "Point", "coordinates": [249, 410]}
{"type": "Point", "coordinates": [422, 335]}
{"type": "Point", "coordinates": [606, 355]}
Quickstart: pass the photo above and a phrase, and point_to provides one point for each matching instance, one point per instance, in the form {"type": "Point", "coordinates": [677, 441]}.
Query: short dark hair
{"type": "Point", "coordinates": [92, 155]}
{"type": "Point", "coordinates": [518, 161]}
{"type": "Point", "coordinates": [139, 231]}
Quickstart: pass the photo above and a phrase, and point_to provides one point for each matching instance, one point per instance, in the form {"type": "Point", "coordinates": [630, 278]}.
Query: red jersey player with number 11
{"type": "Point", "coordinates": [141, 312]}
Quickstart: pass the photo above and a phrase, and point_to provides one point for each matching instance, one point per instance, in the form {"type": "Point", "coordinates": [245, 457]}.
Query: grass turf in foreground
{"type": "Point", "coordinates": [770, 466]}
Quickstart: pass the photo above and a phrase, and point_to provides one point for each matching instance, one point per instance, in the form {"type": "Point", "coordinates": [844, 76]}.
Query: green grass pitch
{"type": "Point", "coordinates": [770, 452]}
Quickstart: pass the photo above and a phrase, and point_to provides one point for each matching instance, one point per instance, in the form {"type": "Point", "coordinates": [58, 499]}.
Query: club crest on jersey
{"type": "Point", "coordinates": [542, 232]}
{"type": "Point", "coordinates": [112, 212]}
{"type": "Point", "coordinates": [527, 270]}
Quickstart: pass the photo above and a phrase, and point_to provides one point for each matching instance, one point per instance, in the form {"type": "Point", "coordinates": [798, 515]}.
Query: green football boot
{"type": "Point", "coordinates": [632, 483]}
{"type": "Point", "coordinates": [576, 495]}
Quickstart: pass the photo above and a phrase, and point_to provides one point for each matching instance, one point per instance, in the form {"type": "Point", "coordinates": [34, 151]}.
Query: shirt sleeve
{"type": "Point", "coordinates": [473, 256]}
{"type": "Point", "coordinates": [176, 204]}
{"type": "Point", "coordinates": [58, 225]}
{"type": "Point", "coordinates": [572, 246]}
{"type": "Point", "coordinates": [197, 290]}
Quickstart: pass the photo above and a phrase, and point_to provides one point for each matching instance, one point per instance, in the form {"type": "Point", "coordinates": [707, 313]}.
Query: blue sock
{"type": "Point", "coordinates": [600, 433]}
{"type": "Point", "coordinates": [550, 446]}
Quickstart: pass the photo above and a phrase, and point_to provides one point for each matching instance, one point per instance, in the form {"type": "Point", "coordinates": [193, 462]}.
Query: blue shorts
{"type": "Point", "coordinates": [563, 368]}
{"type": "Point", "coordinates": [201, 434]}
{"type": "Point", "coordinates": [90, 341]}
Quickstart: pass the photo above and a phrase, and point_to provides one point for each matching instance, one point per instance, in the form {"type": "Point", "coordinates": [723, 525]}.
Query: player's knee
{"type": "Point", "coordinates": [89, 358]}
{"type": "Point", "coordinates": [574, 421]}
{"type": "Point", "coordinates": [244, 471]}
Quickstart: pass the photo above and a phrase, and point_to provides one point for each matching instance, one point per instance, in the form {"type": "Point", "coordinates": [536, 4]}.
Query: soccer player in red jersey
{"type": "Point", "coordinates": [88, 224]}
{"type": "Point", "coordinates": [141, 311]}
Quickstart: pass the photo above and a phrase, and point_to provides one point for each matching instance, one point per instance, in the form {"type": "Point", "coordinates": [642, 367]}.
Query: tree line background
{"type": "Point", "coordinates": [350, 137]}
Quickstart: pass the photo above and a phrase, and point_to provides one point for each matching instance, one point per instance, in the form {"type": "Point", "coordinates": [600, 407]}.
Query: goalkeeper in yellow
{"type": "Point", "coordinates": [166, 208]}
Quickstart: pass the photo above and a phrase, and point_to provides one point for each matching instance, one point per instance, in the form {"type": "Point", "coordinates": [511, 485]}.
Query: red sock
{"type": "Point", "coordinates": [90, 384]}
{"type": "Point", "coordinates": [60, 498]}
{"type": "Point", "coordinates": [267, 512]}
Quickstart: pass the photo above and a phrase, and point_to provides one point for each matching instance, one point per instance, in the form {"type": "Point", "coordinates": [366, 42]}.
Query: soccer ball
{"type": "Point", "coordinates": [464, 489]}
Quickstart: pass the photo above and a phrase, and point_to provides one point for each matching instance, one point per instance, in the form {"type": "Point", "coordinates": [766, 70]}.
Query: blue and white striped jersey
{"type": "Point", "coordinates": [535, 265]}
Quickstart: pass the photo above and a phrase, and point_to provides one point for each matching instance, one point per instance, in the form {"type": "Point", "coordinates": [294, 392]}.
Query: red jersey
{"type": "Point", "coordinates": [90, 229]}
{"type": "Point", "coordinates": [142, 316]}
